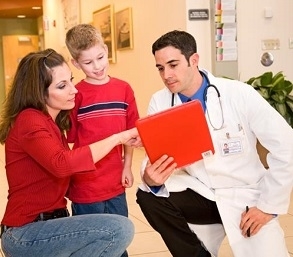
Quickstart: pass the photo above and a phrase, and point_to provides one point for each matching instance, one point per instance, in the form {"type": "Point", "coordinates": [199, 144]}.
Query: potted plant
{"type": "Point", "coordinates": [278, 91]}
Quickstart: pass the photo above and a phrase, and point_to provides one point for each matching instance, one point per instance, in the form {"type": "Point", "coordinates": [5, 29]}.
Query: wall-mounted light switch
{"type": "Point", "coordinates": [270, 44]}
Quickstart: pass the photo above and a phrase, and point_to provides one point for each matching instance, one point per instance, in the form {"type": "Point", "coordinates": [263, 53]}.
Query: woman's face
{"type": "Point", "coordinates": [61, 92]}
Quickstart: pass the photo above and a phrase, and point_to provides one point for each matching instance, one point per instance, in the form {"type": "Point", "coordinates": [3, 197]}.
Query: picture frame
{"type": "Point", "coordinates": [124, 29]}
{"type": "Point", "coordinates": [70, 18]}
{"type": "Point", "coordinates": [103, 20]}
{"type": "Point", "coordinates": [71, 13]}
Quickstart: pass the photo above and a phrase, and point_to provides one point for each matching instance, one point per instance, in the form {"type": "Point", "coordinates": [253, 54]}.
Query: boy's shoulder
{"type": "Point", "coordinates": [82, 85]}
{"type": "Point", "coordinates": [117, 81]}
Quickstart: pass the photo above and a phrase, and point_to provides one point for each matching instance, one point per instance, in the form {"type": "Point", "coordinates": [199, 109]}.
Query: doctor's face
{"type": "Point", "coordinates": [177, 75]}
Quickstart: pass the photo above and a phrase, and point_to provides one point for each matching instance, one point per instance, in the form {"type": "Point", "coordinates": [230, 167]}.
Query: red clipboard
{"type": "Point", "coordinates": [181, 132]}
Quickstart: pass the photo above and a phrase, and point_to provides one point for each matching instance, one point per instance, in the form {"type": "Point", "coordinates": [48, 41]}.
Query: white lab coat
{"type": "Point", "coordinates": [238, 180]}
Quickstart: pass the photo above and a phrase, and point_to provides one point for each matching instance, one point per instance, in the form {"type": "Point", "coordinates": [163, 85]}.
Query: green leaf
{"type": "Point", "coordinates": [249, 82]}
{"type": "Point", "coordinates": [256, 83]}
{"type": "Point", "coordinates": [279, 98]}
{"type": "Point", "coordinates": [290, 97]}
{"type": "Point", "coordinates": [277, 77]}
{"type": "Point", "coordinates": [281, 108]}
{"type": "Point", "coordinates": [288, 86]}
{"type": "Point", "coordinates": [289, 102]}
{"type": "Point", "coordinates": [266, 78]}
{"type": "Point", "coordinates": [264, 93]}
{"type": "Point", "coordinates": [276, 90]}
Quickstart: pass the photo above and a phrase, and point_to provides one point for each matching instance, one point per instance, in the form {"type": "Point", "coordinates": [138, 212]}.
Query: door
{"type": "Point", "coordinates": [15, 47]}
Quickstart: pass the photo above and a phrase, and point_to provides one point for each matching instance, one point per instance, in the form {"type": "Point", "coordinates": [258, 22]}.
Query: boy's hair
{"type": "Point", "coordinates": [82, 37]}
{"type": "Point", "coordinates": [181, 40]}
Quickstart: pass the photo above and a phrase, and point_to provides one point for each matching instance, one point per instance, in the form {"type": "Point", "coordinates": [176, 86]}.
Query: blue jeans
{"type": "Point", "coordinates": [90, 235]}
{"type": "Point", "coordinates": [116, 205]}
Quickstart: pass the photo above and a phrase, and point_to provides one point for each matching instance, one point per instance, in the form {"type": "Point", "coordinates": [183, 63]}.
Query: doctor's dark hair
{"type": "Point", "coordinates": [181, 40]}
{"type": "Point", "coordinates": [29, 89]}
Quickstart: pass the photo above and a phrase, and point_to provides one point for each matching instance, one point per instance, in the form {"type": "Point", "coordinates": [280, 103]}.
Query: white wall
{"type": "Point", "coordinates": [201, 30]}
{"type": "Point", "coordinates": [152, 18]}
{"type": "Point", "coordinates": [253, 27]}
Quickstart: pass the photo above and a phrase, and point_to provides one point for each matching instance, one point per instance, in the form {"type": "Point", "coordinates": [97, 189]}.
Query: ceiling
{"type": "Point", "coordinates": [12, 8]}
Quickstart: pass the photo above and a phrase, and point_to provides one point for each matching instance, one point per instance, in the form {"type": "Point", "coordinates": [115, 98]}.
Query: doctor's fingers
{"type": "Point", "coordinates": [254, 228]}
{"type": "Point", "coordinates": [160, 165]}
{"type": "Point", "coordinates": [155, 178]}
{"type": "Point", "coordinates": [253, 220]}
{"type": "Point", "coordinates": [158, 172]}
{"type": "Point", "coordinates": [258, 217]}
{"type": "Point", "coordinates": [245, 225]}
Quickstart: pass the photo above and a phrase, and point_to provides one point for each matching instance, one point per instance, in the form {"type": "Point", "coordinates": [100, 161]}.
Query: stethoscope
{"type": "Point", "coordinates": [209, 85]}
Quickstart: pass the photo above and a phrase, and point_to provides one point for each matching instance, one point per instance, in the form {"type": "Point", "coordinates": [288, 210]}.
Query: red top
{"type": "Point", "coordinates": [38, 166]}
{"type": "Point", "coordinates": [101, 111]}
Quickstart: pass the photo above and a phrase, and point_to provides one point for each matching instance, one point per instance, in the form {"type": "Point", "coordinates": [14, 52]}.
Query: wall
{"type": "Point", "coordinates": [157, 17]}
{"type": "Point", "coordinates": [136, 66]}
{"type": "Point", "coordinates": [202, 32]}
{"type": "Point", "coordinates": [13, 27]}
{"type": "Point", "coordinates": [253, 27]}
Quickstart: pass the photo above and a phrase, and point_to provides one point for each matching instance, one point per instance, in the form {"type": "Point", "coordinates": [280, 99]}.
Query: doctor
{"type": "Point", "coordinates": [231, 190]}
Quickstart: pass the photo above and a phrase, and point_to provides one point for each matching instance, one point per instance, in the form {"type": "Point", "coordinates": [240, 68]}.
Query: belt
{"type": "Point", "coordinates": [58, 213]}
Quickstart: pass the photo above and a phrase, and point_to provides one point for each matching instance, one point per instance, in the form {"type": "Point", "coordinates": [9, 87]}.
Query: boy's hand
{"type": "Point", "coordinates": [127, 178]}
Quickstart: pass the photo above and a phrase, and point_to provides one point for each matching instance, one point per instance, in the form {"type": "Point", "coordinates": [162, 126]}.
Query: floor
{"type": "Point", "coordinates": [147, 242]}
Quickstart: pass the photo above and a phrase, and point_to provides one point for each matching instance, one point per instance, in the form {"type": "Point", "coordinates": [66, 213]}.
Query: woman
{"type": "Point", "coordinates": [39, 164]}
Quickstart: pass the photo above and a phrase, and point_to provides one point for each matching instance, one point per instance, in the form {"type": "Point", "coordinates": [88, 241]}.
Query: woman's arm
{"type": "Point", "coordinates": [103, 147]}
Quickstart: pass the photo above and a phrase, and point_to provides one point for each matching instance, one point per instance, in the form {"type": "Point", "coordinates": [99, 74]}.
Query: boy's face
{"type": "Point", "coordinates": [94, 63]}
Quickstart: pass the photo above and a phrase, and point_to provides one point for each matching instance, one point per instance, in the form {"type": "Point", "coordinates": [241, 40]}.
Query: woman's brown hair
{"type": "Point", "coordinates": [30, 88]}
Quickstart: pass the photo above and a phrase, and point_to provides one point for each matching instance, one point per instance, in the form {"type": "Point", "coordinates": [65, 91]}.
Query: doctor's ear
{"type": "Point", "coordinates": [194, 59]}
{"type": "Point", "coordinates": [75, 63]}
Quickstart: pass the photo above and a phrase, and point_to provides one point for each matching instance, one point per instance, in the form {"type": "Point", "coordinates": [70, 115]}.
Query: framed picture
{"type": "Point", "coordinates": [70, 17]}
{"type": "Point", "coordinates": [71, 13]}
{"type": "Point", "coordinates": [103, 21]}
{"type": "Point", "coordinates": [123, 29]}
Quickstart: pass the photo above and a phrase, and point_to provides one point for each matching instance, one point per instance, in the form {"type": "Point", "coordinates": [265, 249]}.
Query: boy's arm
{"type": "Point", "coordinates": [127, 176]}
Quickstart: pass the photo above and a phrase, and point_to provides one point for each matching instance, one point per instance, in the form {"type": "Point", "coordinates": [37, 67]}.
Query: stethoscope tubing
{"type": "Point", "coordinates": [209, 85]}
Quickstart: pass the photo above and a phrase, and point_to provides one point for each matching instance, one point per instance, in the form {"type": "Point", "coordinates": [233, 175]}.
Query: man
{"type": "Point", "coordinates": [232, 189]}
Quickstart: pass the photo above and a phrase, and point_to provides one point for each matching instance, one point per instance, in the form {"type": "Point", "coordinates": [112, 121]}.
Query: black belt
{"type": "Point", "coordinates": [59, 213]}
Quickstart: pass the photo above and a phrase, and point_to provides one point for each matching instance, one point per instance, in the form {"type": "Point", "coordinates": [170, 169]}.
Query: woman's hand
{"type": "Point", "coordinates": [130, 138]}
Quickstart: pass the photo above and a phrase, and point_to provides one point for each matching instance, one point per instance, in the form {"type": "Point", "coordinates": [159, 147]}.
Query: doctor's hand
{"type": "Point", "coordinates": [253, 219]}
{"type": "Point", "coordinates": [157, 173]}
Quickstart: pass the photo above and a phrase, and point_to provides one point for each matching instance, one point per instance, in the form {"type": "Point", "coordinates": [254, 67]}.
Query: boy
{"type": "Point", "coordinates": [103, 106]}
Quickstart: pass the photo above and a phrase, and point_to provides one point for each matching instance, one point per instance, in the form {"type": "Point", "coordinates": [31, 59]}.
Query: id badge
{"type": "Point", "coordinates": [231, 146]}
